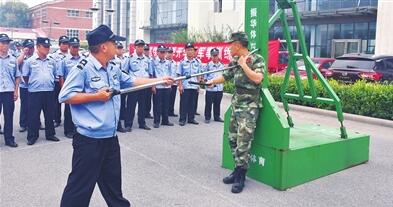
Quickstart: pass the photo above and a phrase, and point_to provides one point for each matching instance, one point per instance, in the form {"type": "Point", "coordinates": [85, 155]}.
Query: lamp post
{"type": "Point", "coordinates": [50, 22]}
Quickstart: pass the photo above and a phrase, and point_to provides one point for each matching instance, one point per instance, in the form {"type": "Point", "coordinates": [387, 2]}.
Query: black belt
{"type": "Point", "coordinates": [247, 91]}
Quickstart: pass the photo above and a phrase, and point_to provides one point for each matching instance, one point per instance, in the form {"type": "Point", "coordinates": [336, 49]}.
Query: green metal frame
{"type": "Point", "coordinates": [309, 65]}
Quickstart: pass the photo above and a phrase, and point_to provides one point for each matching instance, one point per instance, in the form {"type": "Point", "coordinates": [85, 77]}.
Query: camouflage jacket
{"type": "Point", "coordinates": [247, 93]}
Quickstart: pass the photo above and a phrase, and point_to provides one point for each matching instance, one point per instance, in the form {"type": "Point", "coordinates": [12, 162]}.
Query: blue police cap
{"type": "Point", "coordinates": [161, 48]}
{"type": "Point", "coordinates": [170, 50]}
{"type": "Point", "coordinates": [17, 44]}
{"type": "Point", "coordinates": [4, 38]}
{"type": "Point", "coordinates": [102, 34]}
{"type": "Point", "coordinates": [119, 45]}
{"type": "Point", "coordinates": [28, 43]}
{"type": "Point", "coordinates": [214, 51]}
{"type": "Point", "coordinates": [139, 42]}
{"type": "Point", "coordinates": [63, 39]}
{"type": "Point", "coordinates": [190, 45]}
{"type": "Point", "coordinates": [146, 47]}
{"type": "Point", "coordinates": [74, 41]}
{"type": "Point", "coordinates": [43, 41]}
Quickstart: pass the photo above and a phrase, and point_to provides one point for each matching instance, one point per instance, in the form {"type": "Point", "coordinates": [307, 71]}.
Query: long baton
{"type": "Point", "coordinates": [149, 85]}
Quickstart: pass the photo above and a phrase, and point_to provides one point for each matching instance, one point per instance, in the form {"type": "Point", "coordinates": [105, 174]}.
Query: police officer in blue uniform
{"type": "Point", "coordinates": [9, 87]}
{"type": "Point", "coordinates": [213, 94]}
{"type": "Point", "coordinates": [120, 61]}
{"type": "Point", "coordinates": [138, 65]}
{"type": "Point", "coordinates": [96, 155]}
{"type": "Point", "coordinates": [172, 96]}
{"type": "Point", "coordinates": [27, 52]}
{"type": "Point", "coordinates": [39, 72]}
{"type": "Point", "coordinates": [146, 52]}
{"type": "Point", "coordinates": [188, 92]}
{"type": "Point", "coordinates": [58, 56]}
{"type": "Point", "coordinates": [161, 68]}
{"type": "Point", "coordinates": [67, 64]}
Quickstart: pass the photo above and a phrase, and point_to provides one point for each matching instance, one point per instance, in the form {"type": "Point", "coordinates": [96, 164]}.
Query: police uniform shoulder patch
{"type": "Point", "coordinates": [125, 72]}
{"type": "Point", "coordinates": [112, 62]}
{"type": "Point", "coordinates": [82, 64]}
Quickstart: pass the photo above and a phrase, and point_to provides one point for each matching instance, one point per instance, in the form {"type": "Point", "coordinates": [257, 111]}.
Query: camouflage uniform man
{"type": "Point", "coordinates": [246, 103]}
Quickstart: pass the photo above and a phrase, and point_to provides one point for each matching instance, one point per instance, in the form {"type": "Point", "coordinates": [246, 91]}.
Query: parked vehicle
{"type": "Point", "coordinates": [323, 65]}
{"type": "Point", "coordinates": [352, 67]}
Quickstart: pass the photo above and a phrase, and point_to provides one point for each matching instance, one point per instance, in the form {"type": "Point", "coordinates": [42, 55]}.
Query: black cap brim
{"type": "Point", "coordinates": [118, 38]}
{"type": "Point", "coordinates": [74, 44]}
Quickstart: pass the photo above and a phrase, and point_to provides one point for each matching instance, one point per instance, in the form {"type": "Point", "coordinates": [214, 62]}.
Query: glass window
{"type": "Point", "coordinates": [347, 31]}
{"type": "Point", "coordinates": [349, 3]}
{"type": "Point", "coordinates": [389, 64]}
{"type": "Point", "coordinates": [72, 13]}
{"type": "Point", "coordinates": [89, 14]}
{"type": "Point", "coordinates": [353, 63]}
{"type": "Point", "coordinates": [72, 33]}
{"type": "Point", "coordinates": [361, 30]}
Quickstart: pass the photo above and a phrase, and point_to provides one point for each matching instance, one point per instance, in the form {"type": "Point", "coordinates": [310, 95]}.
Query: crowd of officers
{"type": "Point", "coordinates": [38, 76]}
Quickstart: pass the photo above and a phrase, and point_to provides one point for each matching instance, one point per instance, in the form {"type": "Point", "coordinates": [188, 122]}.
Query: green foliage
{"type": "Point", "coordinates": [363, 98]}
{"type": "Point", "coordinates": [204, 35]}
{"type": "Point", "coordinates": [14, 14]}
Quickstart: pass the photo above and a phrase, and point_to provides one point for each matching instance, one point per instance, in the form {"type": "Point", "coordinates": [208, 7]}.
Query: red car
{"type": "Point", "coordinates": [323, 64]}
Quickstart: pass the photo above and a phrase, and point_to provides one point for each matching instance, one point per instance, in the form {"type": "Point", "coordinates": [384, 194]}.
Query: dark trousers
{"type": "Point", "coordinates": [23, 107]}
{"type": "Point", "coordinates": [8, 105]}
{"type": "Point", "coordinates": [148, 95]}
{"type": "Point", "coordinates": [187, 105]}
{"type": "Point", "coordinates": [160, 105]}
{"type": "Point", "coordinates": [69, 126]}
{"type": "Point", "coordinates": [213, 98]}
{"type": "Point", "coordinates": [132, 99]}
{"type": "Point", "coordinates": [94, 161]}
{"type": "Point", "coordinates": [40, 101]}
{"type": "Point", "coordinates": [172, 98]}
{"type": "Point", "coordinates": [123, 108]}
{"type": "Point", "coordinates": [57, 108]}
{"type": "Point", "coordinates": [196, 102]}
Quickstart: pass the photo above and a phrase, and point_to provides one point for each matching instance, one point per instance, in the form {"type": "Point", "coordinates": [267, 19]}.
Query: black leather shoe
{"type": "Point", "coordinates": [156, 125]}
{"type": "Point", "coordinates": [31, 142]}
{"type": "Point", "coordinates": [196, 113]}
{"type": "Point", "coordinates": [11, 144]}
{"type": "Point", "coordinates": [168, 124]}
{"type": "Point", "coordinates": [53, 138]}
{"type": "Point", "coordinates": [207, 121]}
{"type": "Point", "coordinates": [219, 120]}
{"type": "Point", "coordinates": [128, 129]}
{"type": "Point", "coordinates": [238, 184]}
{"type": "Point", "coordinates": [23, 129]}
{"type": "Point", "coordinates": [144, 127]}
{"type": "Point", "coordinates": [70, 135]}
{"type": "Point", "coordinates": [149, 116]}
{"type": "Point", "coordinates": [182, 123]}
{"type": "Point", "coordinates": [193, 122]}
{"type": "Point", "coordinates": [173, 115]}
{"type": "Point", "coordinates": [121, 129]}
{"type": "Point", "coordinates": [56, 124]}
{"type": "Point", "coordinates": [230, 179]}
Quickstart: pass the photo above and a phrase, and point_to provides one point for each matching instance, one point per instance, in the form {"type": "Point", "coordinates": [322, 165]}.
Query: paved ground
{"type": "Point", "coordinates": [180, 166]}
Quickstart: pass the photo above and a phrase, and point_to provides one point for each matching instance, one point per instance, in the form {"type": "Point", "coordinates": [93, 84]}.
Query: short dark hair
{"type": "Point", "coordinates": [94, 49]}
{"type": "Point", "coordinates": [243, 43]}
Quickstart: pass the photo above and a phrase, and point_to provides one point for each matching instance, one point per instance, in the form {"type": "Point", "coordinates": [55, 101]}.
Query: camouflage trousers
{"type": "Point", "coordinates": [241, 133]}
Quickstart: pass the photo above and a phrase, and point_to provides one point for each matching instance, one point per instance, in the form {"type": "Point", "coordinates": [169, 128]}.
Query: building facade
{"type": "Point", "coordinates": [384, 37]}
{"type": "Point", "coordinates": [63, 17]}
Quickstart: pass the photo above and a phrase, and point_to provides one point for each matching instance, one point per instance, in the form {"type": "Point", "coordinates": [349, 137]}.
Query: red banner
{"type": "Point", "coordinates": [203, 52]}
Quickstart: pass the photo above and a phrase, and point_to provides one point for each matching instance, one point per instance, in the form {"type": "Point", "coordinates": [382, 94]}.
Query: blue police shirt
{"type": "Point", "coordinates": [214, 66]}
{"type": "Point", "coordinates": [41, 73]}
{"type": "Point", "coordinates": [161, 68]}
{"type": "Point", "coordinates": [95, 119]}
{"type": "Point", "coordinates": [121, 62]}
{"type": "Point", "coordinates": [58, 57]}
{"type": "Point", "coordinates": [139, 66]}
{"type": "Point", "coordinates": [8, 73]}
{"type": "Point", "coordinates": [22, 83]}
{"type": "Point", "coordinates": [189, 67]}
{"type": "Point", "coordinates": [67, 64]}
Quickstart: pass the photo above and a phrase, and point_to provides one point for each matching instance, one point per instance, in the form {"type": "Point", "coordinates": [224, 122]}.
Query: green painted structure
{"type": "Point", "coordinates": [283, 154]}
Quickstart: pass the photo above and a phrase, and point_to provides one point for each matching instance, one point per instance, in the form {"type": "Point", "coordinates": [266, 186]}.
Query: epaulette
{"type": "Point", "coordinates": [82, 64]}
{"type": "Point", "coordinates": [112, 62]}
{"type": "Point", "coordinates": [125, 72]}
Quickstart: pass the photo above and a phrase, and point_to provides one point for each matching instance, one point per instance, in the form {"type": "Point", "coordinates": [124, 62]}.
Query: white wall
{"type": "Point", "coordinates": [142, 19]}
{"type": "Point", "coordinates": [384, 36]}
{"type": "Point", "coordinates": [201, 15]}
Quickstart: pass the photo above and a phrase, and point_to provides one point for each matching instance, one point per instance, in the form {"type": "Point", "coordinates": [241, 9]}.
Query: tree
{"type": "Point", "coordinates": [14, 14]}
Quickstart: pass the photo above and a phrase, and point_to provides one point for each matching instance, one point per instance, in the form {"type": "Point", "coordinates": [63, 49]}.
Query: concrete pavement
{"type": "Point", "coordinates": [180, 166]}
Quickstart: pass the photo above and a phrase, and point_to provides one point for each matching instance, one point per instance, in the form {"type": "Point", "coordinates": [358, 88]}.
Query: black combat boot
{"type": "Point", "coordinates": [238, 185]}
{"type": "Point", "coordinates": [231, 177]}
